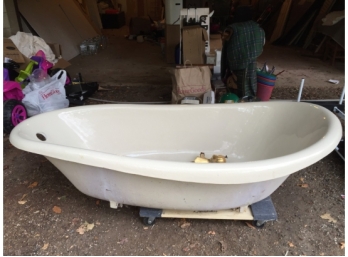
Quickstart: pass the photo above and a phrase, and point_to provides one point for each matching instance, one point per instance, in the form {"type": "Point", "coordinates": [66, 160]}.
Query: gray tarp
{"type": "Point", "coordinates": [336, 32]}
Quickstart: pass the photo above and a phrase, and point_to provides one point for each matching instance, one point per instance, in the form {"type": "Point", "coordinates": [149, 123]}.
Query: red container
{"type": "Point", "coordinates": [111, 11]}
{"type": "Point", "coordinates": [264, 92]}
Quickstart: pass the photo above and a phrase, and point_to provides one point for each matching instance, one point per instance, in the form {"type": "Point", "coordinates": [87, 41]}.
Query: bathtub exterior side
{"type": "Point", "coordinates": [24, 137]}
{"type": "Point", "coordinates": [143, 191]}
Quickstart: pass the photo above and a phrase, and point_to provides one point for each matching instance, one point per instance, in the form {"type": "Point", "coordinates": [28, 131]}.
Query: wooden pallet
{"type": "Point", "coordinates": [231, 214]}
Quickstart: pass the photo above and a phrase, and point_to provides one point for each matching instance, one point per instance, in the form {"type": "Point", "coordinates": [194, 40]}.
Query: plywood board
{"type": "Point", "coordinates": [92, 14]}
{"type": "Point", "coordinates": [282, 18]}
{"type": "Point", "coordinates": [297, 10]}
{"type": "Point", "coordinates": [58, 21]}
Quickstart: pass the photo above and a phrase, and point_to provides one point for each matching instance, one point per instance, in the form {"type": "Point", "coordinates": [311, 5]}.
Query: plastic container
{"type": "Point", "coordinates": [84, 49]}
{"type": "Point", "coordinates": [104, 42]}
{"type": "Point", "coordinates": [264, 92]}
{"type": "Point", "coordinates": [218, 57]}
{"type": "Point", "coordinates": [42, 63]}
{"type": "Point", "coordinates": [209, 97]}
{"type": "Point", "coordinates": [92, 48]}
{"type": "Point", "coordinates": [38, 79]}
{"type": "Point", "coordinates": [266, 78]}
{"type": "Point", "coordinates": [229, 98]}
{"type": "Point", "coordinates": [6, 75]}
{"type": "Point", "coordinates": [266, 82]}
{"type": "Point", "coordinates": [98, 42]}
{"type": "Point", "coordinates": [111, 11]}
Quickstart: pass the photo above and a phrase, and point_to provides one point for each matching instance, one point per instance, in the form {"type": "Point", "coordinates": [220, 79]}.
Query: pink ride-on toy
{"type": "Point", "coordinates": [14, 111]}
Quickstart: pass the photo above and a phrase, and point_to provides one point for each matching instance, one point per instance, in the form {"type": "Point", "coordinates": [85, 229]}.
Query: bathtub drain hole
{"type": "Point", "coordinates": [41, 137]}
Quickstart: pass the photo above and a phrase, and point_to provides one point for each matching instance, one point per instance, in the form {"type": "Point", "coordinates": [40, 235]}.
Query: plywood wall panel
{"type": "Point", "coordinates": [282, 19]}
{"type": "Point", "coordinates": [58, 21]}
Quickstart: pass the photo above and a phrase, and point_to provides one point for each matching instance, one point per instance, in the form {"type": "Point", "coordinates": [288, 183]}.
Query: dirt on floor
{"type": "Point", "coordinates": [44, 214]}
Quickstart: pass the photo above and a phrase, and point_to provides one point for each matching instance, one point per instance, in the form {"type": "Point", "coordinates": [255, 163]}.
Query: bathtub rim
{"type": "Point", "coordinates": [227, 173]}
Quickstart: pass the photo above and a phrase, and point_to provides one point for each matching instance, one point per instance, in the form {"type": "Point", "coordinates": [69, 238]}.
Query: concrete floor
{"type": "Point", "coordinates": [129, 63]}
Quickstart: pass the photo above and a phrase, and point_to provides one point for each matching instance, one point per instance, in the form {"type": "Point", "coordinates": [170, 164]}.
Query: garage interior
{"type": "Point", "coordinates": [294, 43]}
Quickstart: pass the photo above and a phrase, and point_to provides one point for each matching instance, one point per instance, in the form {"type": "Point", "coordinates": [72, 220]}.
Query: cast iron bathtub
{"type": "Point", "coordinates": [142, 155]}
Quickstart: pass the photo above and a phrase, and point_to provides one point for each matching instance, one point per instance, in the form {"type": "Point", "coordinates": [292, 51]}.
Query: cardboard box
{"type": "Point", "coordinates": [172, 34]}
{"type": "Point", "coordinates": [194, 38]}
{"type": "Point", "coordinates": [215, 42]}
{"type": "Point", "coordinates": [201, 15]}
{"type": "Point", "coordinates": [57, 50]}
{"type": "Point", "coordinates": [12, 52]}
{"type": "Point", "coordinates": [139, 25]}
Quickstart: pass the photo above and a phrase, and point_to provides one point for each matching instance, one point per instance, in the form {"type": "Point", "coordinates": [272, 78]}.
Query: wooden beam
{"type": "Point", "coordinates": [326, 7]}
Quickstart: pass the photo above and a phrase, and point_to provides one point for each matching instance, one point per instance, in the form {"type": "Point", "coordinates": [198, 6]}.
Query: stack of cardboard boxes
{"type": "Point", "coordinates": [193, 44]}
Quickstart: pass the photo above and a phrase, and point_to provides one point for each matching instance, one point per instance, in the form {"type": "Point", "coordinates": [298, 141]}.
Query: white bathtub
{"type": "Point", "coordinates": [142, 155]}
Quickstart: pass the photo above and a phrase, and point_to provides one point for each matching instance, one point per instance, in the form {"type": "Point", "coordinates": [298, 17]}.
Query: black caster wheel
{"type": "Point", "coordinates": [14, 113]}
{"type": "Point", "coordinates": [149, 221]}
{"type": "Point", "coordinates": [259, 223]}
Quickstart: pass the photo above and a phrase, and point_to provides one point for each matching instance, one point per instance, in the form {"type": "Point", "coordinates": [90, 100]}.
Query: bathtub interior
{"type": "Point", "coordinates": [243, 132]}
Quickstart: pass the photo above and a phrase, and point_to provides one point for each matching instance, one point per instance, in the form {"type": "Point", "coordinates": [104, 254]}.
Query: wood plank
{"type": "Point", "coordinates": [326, 7]}
{"type": "Point", "coordinates": [194, 65]}
{"type": "Point", "coordinates": [231, 214]}
{"type": "Point", "coordinates": [301, 31]}
{"type": "Point", "coordinates": [94, 15]}
{"type": "Point", "coordinates": [297, 10]}
{"type": "Point", "coordinates": [132, 10]}
{"type": "Point", "coordinates": [282, 18]}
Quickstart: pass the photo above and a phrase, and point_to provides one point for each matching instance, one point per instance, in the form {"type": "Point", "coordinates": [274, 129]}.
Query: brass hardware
{"type": "Point", "coordinates": [214, 159]}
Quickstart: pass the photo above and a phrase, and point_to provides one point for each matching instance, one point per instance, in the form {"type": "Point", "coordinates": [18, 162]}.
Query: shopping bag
{"type": "Point", "coordinates": [49, 97]}
{"type": "Point", "coordinates": [190, 81]}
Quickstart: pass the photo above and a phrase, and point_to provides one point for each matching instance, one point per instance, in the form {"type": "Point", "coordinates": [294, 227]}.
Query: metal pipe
{"type": "Point", "coordinates": [339, 112]}
{"type": "Point", "coordinates": [337, 151]}
{"type": "Point", "coordinates": [300, 92]}
{"type": "Point", "coordinates": [342, 95]}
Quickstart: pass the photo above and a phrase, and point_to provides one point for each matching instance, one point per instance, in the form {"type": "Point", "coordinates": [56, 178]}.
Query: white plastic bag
{"type": "Point", "coordinates": [48, 98]}
{"type": "Point", "coordinates": [38, 79]}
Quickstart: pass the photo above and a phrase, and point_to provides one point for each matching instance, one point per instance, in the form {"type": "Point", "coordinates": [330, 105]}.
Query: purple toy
{"type": "Point", "coordinates": [14, 111]}
{"type": "Point", "coordinates": [40, 58]}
